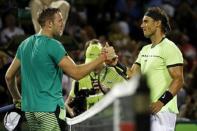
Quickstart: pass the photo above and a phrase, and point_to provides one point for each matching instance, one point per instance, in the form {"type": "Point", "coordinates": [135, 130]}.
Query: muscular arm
{"type": "Point", "coordinates": [64, 6]}
{"type": "Point", "coordinates": [10, 79]}
{"type": "Point", "coordinates": [177, 82]}
{"type": "Point", "coordinates": [177, 79]}
{"type": "Point", "coordinates": [78, 71]}
{"type": "Point", "coordinates": [36, 7]}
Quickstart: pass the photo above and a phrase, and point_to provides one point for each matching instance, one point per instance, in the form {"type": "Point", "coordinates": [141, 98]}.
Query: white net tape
{"type": "Point", "coordinates": [110, 104]}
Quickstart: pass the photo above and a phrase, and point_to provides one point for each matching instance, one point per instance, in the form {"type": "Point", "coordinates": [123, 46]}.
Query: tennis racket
{"type": "Point", "coordinates": [7, 108]}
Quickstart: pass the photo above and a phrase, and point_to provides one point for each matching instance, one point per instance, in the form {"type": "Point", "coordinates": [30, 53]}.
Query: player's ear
{"type": "Point", "coordinates": [49, 24]}
{"type": "Point", "coordinates": [158, 23]}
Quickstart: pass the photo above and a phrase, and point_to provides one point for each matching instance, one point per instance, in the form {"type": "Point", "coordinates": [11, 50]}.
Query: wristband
{"type": "Point", "coordinates": [166, 97]}
{"type": "Point", "coordinates": [122, 67]}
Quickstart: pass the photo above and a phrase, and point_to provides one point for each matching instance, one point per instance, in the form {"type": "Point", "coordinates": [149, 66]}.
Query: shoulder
{"type": "Point", "coordinates": [25, 43]}
{"type": "Point", "coordinates": [170, 48]}
{"type": "Point", "coordinates": [171, 52]}
{"type": "Point", "coordinates": [169, 45]}
{"type": "Point", "coordinates": [52, 41]}
{"type": "Point", "coordinates": [27, 40]}
{"type": "Point", "coordinates": [144, 48]}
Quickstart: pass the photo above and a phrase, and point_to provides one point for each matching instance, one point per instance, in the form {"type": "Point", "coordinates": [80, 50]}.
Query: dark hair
{"type": "Point", "coordinates": [158, 14]}
{"type": "Point", "coordinates": [47, 14]}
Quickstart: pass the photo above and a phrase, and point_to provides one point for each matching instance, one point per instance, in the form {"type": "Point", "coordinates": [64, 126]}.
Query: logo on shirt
{"type": "Point", "coordinates": [109, 82]}
{"type": "Point", "coordinates": [151, 56]}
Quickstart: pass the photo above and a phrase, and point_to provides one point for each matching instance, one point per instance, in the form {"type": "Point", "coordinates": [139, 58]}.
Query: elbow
{"type": "Point", "coordinates": [66, 5]}
{"type": "Point", "coordinates": [76, 73]}
{"type": "Point", "coordinates": [182, 82]}
{"type": "Point", "coordinates": [8, 77]}
{"type": "Point", "coordinates": [77, 77]}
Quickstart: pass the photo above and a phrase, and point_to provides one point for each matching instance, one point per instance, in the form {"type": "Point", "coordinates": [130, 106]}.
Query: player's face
{"type": "Point", "coordinates": [57, 27]}
{"type": "Point", "coordinates": [148, 26]}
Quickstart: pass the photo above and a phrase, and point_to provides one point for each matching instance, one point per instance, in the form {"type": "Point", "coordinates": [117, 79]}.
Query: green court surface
{"type": "Point", "coordinates": [186, 126]}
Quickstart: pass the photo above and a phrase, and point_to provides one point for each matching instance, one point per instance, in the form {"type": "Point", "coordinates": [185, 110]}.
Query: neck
{"type": "Point", "coordinates": [45, 32]}
{"type": "Point", "coordinates": [157, 37]}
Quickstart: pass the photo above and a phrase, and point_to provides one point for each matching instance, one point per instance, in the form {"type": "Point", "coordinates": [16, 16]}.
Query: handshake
{"type": "Point", "coordinates": [109, 55]}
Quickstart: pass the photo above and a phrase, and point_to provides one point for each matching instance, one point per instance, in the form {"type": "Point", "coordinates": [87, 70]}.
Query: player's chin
{"type": "Point", "coordinates": [60, 33]}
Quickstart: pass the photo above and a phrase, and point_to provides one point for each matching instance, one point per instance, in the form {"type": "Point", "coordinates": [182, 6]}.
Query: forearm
{"type": "Point", "coordinates": [68, 108]}
{"type": "Point", "coordinates": [177, 82]}
{"type": "Point", "coordinates": [13, 89]}
{"type": "Point", "coordinates": [64, 7]}
{"type": "Point", "coordinates": [84, 69]}
{"type": "Point", "coordinates": [167, 96]}
{"type": "Point", "coordinates": [68, 100]}
{"type": "Point", "coordinates": [79, 71]}
{"type": "Point", "coordinates": [35, 9]}
{"type": "Point", "coordinates": [10, 78]}
{"type": "Point", "coordinates": [175, 86]}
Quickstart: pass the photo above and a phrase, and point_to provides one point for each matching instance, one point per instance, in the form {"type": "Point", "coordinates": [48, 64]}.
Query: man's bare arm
{"type": "Point", "coordinates": [78, 71]}
{"type": "Point", "coordinates": [177, 79]}
{"type": "Point", "coordinates": [177, 83]}
{"type": "Point", "coordinates": [10, 79]}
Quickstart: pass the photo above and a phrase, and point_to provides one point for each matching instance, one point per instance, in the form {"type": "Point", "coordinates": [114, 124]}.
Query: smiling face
{"type": "Point", "coordinates": [149, 26]}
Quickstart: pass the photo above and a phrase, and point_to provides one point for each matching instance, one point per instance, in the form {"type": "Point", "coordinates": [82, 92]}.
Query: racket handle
{"type": "Point", "coordinates": [7, 108]}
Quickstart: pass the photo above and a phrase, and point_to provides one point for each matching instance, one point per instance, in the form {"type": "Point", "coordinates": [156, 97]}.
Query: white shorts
{"type": "Point", "coordinates": [163, 121]}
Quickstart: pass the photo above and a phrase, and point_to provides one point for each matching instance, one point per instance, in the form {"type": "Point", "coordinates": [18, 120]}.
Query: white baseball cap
{"type": "Point", "coordinates": [11, 120]}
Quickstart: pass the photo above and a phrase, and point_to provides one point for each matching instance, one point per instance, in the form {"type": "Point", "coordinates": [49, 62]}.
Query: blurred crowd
{"type": "Point", "coordinates": [117, 22]}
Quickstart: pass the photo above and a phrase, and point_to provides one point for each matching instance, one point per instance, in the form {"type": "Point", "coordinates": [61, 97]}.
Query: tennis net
{"type": "Point", "coordinates": [115, 112]}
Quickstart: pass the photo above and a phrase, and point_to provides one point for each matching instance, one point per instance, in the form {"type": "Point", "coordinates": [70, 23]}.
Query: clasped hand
{"type": "Point", "coordinates": [109, 53]}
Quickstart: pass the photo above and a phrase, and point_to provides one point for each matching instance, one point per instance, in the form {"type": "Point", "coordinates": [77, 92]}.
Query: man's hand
{"type": "Point", "coordinates": [17, 103]}
{"type": "Point", "coordinates": [156, 107]}
{"type": "Point", "coordinates": [109, 53]}
{"type": "Point", "coordinates": [105, 89]}
{"type": "Point", "coordinates": [70, 111]}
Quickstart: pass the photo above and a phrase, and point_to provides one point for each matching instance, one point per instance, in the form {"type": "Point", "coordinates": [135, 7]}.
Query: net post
{"type": "Point", "coordinates": [116, 115]}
